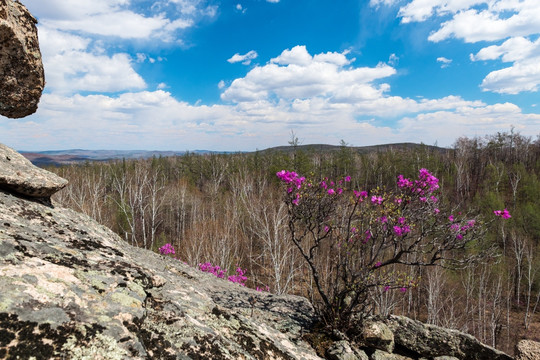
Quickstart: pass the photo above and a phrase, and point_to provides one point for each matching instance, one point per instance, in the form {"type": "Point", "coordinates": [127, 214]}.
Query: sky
{"type": "Point", "coordinates": [250, 74]}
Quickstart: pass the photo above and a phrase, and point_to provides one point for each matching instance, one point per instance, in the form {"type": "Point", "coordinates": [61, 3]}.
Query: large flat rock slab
{"type": "Point", "coordinates": [21, 69]}
{"type": "Point", "coordinates": [20, 176]}
{"type": "Point", "coordinates": [72, 289]}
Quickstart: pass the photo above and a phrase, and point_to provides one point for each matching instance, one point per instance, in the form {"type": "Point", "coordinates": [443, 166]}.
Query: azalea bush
{"type": "Point", "coordinates": [238, 278]}
{"type": "Point", "coordinates": [356, 241]}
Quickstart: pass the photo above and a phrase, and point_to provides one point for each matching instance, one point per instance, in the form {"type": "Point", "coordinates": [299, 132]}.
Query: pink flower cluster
{"type": "Point", "coordinates": [426, 183]}
{"type": "Point", "coordinates": [502, 213]}
{"type": "Point", "coordinates": [209, 268]}
{"type": "Point", "coordinates": [289, 177]}
{"type": "Point", "coordinates": [377, 199]}
{"type": "Point", "coordinates": [361, 195]}
{"type": "Point", "coordinates": [402, 230]}
{"type": "Point", "coordinates": [239, 277]}
{"type": "Point", "coordinates": [462, 230]}
{"type": "Point", "coordinates": [166, 249]}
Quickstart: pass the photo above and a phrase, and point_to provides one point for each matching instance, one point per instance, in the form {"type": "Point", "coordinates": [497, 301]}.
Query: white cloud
{"type": "Point", "coordinates": [71, 65]}
{"type": "Point", "coordinates": [244, 59]}
{"type": "Point", "coordinates": [444, 61]}
{"type": "Point", "coordinates": [118, 18]}
{"type": "Point", "coordinates": [295, 74]}
{"type": "Point", "coordinates": [513, 49]}
{"type": "Point", "coordinates": [78, 39]}
{"type": "Point", "coordinates": [378, 3]}
{"type": "Point", "coordinates": [393, 59]}
{"type": "Point", "coordinates": [273, 1]}
{"type": "Point", "coordinates": [523, 75]}
{"type": "Point", "coordinates": [514, 21]}
{"type": "Point", "coordinates": [476, 20]}
{"type": "Point", "coordinates": [121, 121]}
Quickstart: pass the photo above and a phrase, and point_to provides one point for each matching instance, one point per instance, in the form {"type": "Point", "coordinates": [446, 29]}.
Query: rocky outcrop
{"type": "Point", "coordinates": [72, 289]}
{"type": "Point", "coordinates": [418, 340]}
{"type": "Point", "coordinates": [18, 175]}
{"type": "Point", "coordinates": [527, 350]}
{"type": "Point", "coordinates": [21, 69]}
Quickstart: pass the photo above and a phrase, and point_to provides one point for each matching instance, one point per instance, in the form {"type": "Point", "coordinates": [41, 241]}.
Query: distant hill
{"type": "Point", "coordinates": [358, 149]}
{"type": "Point", "coordinates": [74, 156]}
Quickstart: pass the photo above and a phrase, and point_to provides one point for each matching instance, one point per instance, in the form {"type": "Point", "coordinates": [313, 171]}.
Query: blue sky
{"type": "Point", "coordinates": [241, 75]}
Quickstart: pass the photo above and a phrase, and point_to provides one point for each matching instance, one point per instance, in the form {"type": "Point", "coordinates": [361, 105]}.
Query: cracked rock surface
{"type": "Point", "coordinates": [72, 289]}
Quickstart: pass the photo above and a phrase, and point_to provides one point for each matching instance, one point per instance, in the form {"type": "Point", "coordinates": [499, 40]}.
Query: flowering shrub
{"type": "Point", "coordinates": [209, 268]}
{"type": "Point", "coordinates": [166, 249]}
{"type": "Point", "coordinates": [238, 278]}
{"type": "Point", "coordinates": [359, 244]}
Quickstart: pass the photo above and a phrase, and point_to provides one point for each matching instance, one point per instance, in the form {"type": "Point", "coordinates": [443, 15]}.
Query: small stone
{"type": "Point", "coordinates": [377, 335]}
{"type": "Point", "coordinates": [18, 175]}
{"type": "Point", "coordinates": [342, 350]}
{"type": "Point", "coordinates": [21, 69]}
{"type": "Point", "coordinates": [527, 350]}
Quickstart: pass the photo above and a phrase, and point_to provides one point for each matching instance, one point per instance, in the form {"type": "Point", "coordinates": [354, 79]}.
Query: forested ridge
{"type": "Point", "coordinates": [228, 209]}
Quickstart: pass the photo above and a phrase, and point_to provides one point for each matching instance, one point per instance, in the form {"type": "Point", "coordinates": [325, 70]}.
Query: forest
{"type": "Point", "coordinates": [228, 210]}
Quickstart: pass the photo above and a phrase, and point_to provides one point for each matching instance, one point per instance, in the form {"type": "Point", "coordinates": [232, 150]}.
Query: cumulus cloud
{"type": "Point", "coordinates": [296, 74]}
{"type": "Point", "coordinates": [523, 75]}
{"type": "Point", "coordinates": [515, 22]}
{"type": "Point", "coordinates": [74, 36]}
{"type": "Point", "coordinates": [72, 65]}
{"type": "Point", "coordinates": [244, 59]}
{"type": "Point", "coordinates": [119, 18]}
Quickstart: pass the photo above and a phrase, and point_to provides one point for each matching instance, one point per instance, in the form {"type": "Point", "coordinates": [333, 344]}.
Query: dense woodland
{"type": "Point", "coordinates": [228, 209]}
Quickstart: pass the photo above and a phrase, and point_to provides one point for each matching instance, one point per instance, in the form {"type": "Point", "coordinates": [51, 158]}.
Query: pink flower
{"type": "Point", "coordinates": [368, 236]}
{"type": "Point", "coordinates": [403, 289]}
{"type": "Point", "coordinates": [386, 288]}
{"type": "Point", "coordinates": [402, 230]}
{"type": "Point", "coordinates": [436, 211]}
{"type": "Point", "coordinates": [451, 218]}
{"type": "Point", "coordinates": [377, 199]}
{"type": "Point", "coordinates": [347, 178]}
{"type": "Point", "coordinates": [404, 182]}
{"type": "Point", "coordinates": [331, 191]}
{"type": "Point", "coordinates": [166, 249]}
{"type": "Point", "coordinates": [502, 213]}
{"type": "Point", "coordinates": [378, 264]}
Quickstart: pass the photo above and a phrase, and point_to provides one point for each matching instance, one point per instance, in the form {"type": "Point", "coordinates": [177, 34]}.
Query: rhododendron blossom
{"type": "Point", "coordinates": [502, 213]}
{"type": "Point", "coordinates": [166, 249]}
